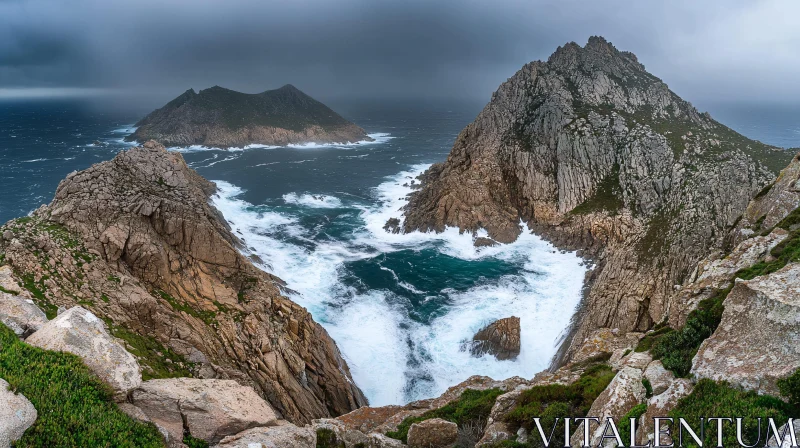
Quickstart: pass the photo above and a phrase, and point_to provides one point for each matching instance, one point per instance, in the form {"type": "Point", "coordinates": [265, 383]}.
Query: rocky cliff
{"type": "Point", "coordinates": [223, 118]}
{"type": "Point", "coordinates": [135, 241]}
{"type": "Point", "coordinates": [595, 153]}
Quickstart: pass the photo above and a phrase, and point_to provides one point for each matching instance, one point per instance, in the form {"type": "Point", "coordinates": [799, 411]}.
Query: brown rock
{"type": "Point", "coordinates": [501, 339]}
{"type": "Point", "coordinates": [208, 409]}
{"type": "Point", "coordinates": [284, 436]}
{"type": "Point", "coordinates": [159, 261]}
{"type": "Point", "coordinates": [433, 433]}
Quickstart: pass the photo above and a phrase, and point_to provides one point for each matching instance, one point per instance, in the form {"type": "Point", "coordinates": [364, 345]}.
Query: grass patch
{"type": "Point", "coordinates": [206, 316]}
{"type": "Point", "coordinates": [37, 289]}
{"type": "Point", "coordinates": [607, 196]}
{"type": "Point", "coordinates": [553, 401]}
{"type": "Point", "coordinates": [676, 348]}
{"type": "Point", "coordinates": [147, 349]}
{"type": "Point", "coordinates": [710, 398]}
{"type": "Point", "coordinates": [75, 408]}
{"type": "Point", "coordinates": [646, 343]}
{"type": "Point", "coordinates": [471, 406]}
{"type": "Point", "coordinates": [785, 252]}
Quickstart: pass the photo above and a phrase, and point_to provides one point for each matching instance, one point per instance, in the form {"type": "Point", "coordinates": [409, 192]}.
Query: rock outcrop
{"type": "Point", "coordinates": [21, 315]}
{"type": "Point", "coordinates": [500, 339]}
{"type": "Point", "coordinates": [208, 409]}
{"type": "Point", "coordinates": [595, 153]}
{"type": "Point", "coordinates": [16, 415]}
{"type": "Point", "coordinates": [285, 436]}
{"type": "Point", "coordinates": [433, 433]}
{"type": "Point", "coordinates": [758, 340]}
{"type": "Point", "coordinates": [81, 333]}
{"type": "Point", "coordinates": [659, 406]}
{"type": "Point", "coordinates": [223, 118]}
{"type": "Point", "coordinates": [135, 241]}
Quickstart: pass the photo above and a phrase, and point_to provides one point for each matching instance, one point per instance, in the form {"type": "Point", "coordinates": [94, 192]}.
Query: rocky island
{"type": "Point", "coordinates": [129, 295]}
{"type": "Point", "coordinates": [223, 118]}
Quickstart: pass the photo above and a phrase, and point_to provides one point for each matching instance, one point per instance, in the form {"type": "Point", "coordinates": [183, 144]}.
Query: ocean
{"type": "Point", "coordinates": [398, 306]}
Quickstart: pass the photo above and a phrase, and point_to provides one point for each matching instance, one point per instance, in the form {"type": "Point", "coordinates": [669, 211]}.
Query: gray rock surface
{"type": "Point", "coordinates": [209, 409]}
{"type": "Point", "coordinates": [20, 314]}
{"type": "Point", "coordinates": [758, 340]}
{"type": "Point", "coordinates": [597, 154]}
{"type": "Point", "coordinates": [16, 415]}
{"type": "Point", "coordinates": [81, 333]}
{"type": "Point", "coordinates": [659, 406]}
{"type": "Point", "coordinates": [623, 393]}
{"type": "Point", "coordinates": [659, 377]}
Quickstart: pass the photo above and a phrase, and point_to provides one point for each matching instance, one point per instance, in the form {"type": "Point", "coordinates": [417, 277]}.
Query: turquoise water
{"type": "Point", "coordinates": [398, 306]}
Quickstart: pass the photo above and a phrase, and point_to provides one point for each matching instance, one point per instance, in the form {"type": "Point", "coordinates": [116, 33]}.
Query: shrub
{"type": "Point", "coordinates": [552, 401]}
{"type": "Point", "coordinates": [790, 388]}
{"type": "Point", "coordinates": [785, 252]}
{"type": "Point", "coordinates": [75, 408]}
{"type": "Point", "coordinates": [648, 388]}
{"type": "Point", "coordinates": [193, 442]}
{"type": "Point", "coordinates": [471, 406]}
{"type": "Point", "coordinates": [711, 398]}
{"type": "Point", "coordinates": [676, 348]}
{"type": "Point", "coordinates": [326, 438]}
{"type": "Point", "coordinates": [625, 422]}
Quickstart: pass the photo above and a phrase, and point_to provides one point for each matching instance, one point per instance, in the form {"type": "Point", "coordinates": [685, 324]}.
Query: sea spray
{"type": "Point", "coordinates": [397, 352]}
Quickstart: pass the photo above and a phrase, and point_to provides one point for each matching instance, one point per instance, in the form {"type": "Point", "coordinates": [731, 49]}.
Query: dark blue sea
{"type": "Point", "coordinates": [398, 306]}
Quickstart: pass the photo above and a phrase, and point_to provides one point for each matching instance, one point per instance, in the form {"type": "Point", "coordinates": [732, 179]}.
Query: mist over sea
{"type": "Point", "coordinates": [398, 306]}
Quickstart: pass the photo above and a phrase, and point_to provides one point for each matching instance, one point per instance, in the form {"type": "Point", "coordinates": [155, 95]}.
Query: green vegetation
{"type": "Point", "coordinates": [326, 438]}
{"type": "Point", "coordinates": [790, 388]}
{"type": "Point", "coordinates": [785, 252]}
{"type": "Point", "coordinates": [553, 401]}
{"type": "Point", "coordinates": [152, 355]}
{"type": "Point", "coordinates": [646, 343]}
{"type": "Point", "coordinates": [75, 408]}
{"type": "Point", "coordinates": [206, 316]}
{"type": "Point", "coordinates": [607, 196]}
{"type": "Point", "coordinates": [471, 406]}
{"type": "Point", "coordinates": [8, 291]}
{"type": "Point", "coordinates": [676, 348]}
{"type": "Point", "coordinates": [648, 388]}
{"type": "Point", "coordinates": [710, 398]}
{"type": "Point", "coordinates": [625, 422]}
{"type": "Point", "coordinates": [38, 289]}
{"type": "Point", "coordinates": [193, 442]}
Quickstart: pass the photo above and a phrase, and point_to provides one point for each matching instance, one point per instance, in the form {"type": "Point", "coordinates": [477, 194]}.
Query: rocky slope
{"type": "Point", "coordinates": [594, 153]}
{"type": "Point", "coordinates": [223, 118]}
{"type": "Point", "coordinates": [135, 241]}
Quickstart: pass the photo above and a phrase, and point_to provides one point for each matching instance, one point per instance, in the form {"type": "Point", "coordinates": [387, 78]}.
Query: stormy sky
{"type": "Point", "coordinates": [723, 50]}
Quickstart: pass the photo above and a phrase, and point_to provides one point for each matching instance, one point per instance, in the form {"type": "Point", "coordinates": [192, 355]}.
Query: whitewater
{"type": "Point", "coordinates": [394, 355]}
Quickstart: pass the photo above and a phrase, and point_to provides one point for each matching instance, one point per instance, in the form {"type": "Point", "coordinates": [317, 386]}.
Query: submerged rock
{"type": "Point", "coordinates": [501, 339]}
{"type": "Point", "coordinates": [81, 333]}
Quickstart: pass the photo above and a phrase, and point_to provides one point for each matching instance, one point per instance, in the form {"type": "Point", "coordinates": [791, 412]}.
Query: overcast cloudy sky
{"type": "Point", "coordinates": [720, 50]}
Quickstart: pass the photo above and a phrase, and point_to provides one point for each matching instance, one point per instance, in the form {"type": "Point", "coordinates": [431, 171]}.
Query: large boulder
{"type": "Point", "coordinates": [16, 415]}
{"type": "Point", "coordinates": [758, 340]}
{"type": "Point", "coordinates": [80, 332]}
{"type": "Point", "coordinates": [659, 377]}
{"type": "Point", "coordinates": [500, 338]}
{"type": "Point", "coordinates": [623, 393]}
{"type": "Point", "coordinates": [283, 436]}
{"type": "Point", "coordinates": [334, 433]}
{"type": "Point", "coordinates": [786, 442]}
{"type": "Point", "coordinates": [21, 315]}
{"type": "Point", "coordinates": [209, 409]}
{"type": "Point", "coordinates": [433, 433]}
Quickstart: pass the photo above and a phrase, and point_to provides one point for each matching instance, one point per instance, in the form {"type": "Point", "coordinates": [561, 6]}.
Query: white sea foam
{"type": "Point", "coordinates": [312, 200]}
{"type": "Point", "coordinates": [374, 332]}
{"type": "Point", "coordinates": [377, 138]}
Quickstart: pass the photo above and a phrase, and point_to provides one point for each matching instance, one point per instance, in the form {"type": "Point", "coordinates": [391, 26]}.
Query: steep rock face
{"type": "Point", "coordinates": [135, 240]}
{"type": "Point", "coordinates": [223, 118]}
{"type": "Point", "coordinates": [596, 154]}
{"type": "Point", "coordinates": [758, 340]}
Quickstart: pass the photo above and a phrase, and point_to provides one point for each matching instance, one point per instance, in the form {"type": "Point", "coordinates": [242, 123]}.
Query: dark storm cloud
{"type": "Point", "coordinates": [712, 49]}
